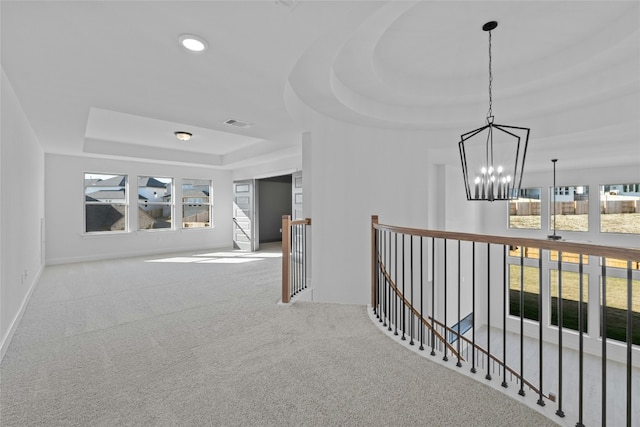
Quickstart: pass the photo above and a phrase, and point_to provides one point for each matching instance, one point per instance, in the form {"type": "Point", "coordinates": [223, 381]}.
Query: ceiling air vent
{"type": "Point", "coordinates": [238, 123]}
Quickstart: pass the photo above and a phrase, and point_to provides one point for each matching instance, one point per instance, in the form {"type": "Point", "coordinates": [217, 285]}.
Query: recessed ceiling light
{"type": "Point", "coordinates": [183, 136]}
{"type": "Point", "coordinates": [193, 43]}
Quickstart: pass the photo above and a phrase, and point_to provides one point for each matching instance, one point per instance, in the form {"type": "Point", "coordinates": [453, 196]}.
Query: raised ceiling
{"type": "Point", "coordinates": [110, 79]}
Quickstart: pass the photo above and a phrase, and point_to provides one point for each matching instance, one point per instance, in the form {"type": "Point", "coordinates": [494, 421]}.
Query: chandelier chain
{"type": "Point", "coordinates": [490, 112]}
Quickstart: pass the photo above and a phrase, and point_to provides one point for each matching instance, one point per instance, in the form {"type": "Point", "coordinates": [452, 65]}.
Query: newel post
{"type": "Point", "coordinates": [286, 257]}
{"type": "Point", "coordinates": [374, 222]}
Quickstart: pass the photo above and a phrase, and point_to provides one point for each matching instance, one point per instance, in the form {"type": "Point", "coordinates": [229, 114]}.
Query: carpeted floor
{"type": "Point", "coordinates": [200, 339]}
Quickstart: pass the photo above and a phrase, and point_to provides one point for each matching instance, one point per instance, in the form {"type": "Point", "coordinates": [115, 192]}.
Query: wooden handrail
{"type": "Point", "coordinates": [631, 254]}
{"type": "Point", "coordinates": [416, 312]}
{"type": "Point", "coordinates": [491, 356]}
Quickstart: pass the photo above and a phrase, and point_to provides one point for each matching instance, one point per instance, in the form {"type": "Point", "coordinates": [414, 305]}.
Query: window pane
{"type": "Point", "coordinates": [621, 263]}
{"type": "Point", "coordinates": [617, 309]}
{"type": "Point", "coordinates": [105, 198]}
{"type": "Point", "coordinates": [620, 208]}
{"type": "Point", "coordinates": [196, 203]}
{"type": "Point", "coordinates": [570, 299]}
{"type": "Point", "coordinates": [533, 253]}
{"type": "Point", "coordinates": [105, 217]}
{"type": "Point", "coordinates": [571, 208]}
{"type": "Point", "coordinates": [524, 212]}
{"type": "Point", "coordinates": [154, 216]}
{"type": "Point", "coordinates": [194, 216]}
{"type": "Point", "coordinates": [568, 257]}
{"type": "Point", "coordinates": [155, 206]}
{"type": "Point", "coordinates": [531, 291]}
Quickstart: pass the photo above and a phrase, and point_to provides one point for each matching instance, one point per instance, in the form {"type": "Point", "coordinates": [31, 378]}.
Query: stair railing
{"type": "Point", "coordinates": [419, 278]}
{"type": "Point", "coordinates": [294, 257]}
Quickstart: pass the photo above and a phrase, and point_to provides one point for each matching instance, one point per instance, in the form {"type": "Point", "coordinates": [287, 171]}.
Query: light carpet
{"type": "Point", "coordinates": [200, 339]}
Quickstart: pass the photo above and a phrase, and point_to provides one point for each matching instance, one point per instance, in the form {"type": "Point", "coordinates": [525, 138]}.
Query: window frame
{"type": "Point", "coordinates": [86, 203]}
{"type": "Point", "coordinates": [509, 216]}
{"type": "Point", "coordinates": [565, 190]}
{"type": "Point", "coordinates": [170, 204]}
{"type": "Point", "coordinates": [606, 188]}
{"type": "Point", "coordinates": [209, 204]}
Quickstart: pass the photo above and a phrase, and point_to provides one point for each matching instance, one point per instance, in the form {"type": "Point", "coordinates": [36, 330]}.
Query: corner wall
{"type": "Point", "coordinates": [21, 212]}
{"type": "Point", "coordinates": [357, 172]}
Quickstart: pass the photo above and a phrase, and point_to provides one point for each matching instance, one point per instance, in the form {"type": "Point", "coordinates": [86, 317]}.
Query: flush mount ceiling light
{"type": "Point", "coordinates": [493, 156]}
{"type": "Point", "coordinates": [182, 136]}
{"type": "Point", "coordinates": [193, 43]}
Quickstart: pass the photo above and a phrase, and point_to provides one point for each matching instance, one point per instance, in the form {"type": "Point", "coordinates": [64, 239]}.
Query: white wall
{"type": "Point", "coordinates": [21, 212]}
{"type": "Point", "coordinates": [357, 172]}
{"type": "Point", "coordinates": [65, 240]}
{"type": "Point", "coordinates": [283, 166]}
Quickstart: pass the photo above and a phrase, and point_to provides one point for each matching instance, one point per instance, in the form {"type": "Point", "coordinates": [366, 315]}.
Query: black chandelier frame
{"type": "Point", "coordinates": [512, 189]}
{"type": "Point", "coordinates": [487, 186]}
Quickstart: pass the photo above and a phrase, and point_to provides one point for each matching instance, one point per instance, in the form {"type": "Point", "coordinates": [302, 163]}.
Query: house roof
{"type": "Point", "coordinates": [105, 195]}
{"type": "Point", "coordinates": [149, 181]}
{"type": "Point", "coordinates": [116, 181]}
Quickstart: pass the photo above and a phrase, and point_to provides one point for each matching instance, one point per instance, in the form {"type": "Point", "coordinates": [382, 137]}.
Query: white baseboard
{"type": "Point", "coordinates": [6, 340]}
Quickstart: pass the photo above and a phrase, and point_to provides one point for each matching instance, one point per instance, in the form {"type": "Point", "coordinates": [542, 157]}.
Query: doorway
{"type": "Point", "coordinates": [258, 207]}
{"type": "Point", "coordinates": [274, 201]}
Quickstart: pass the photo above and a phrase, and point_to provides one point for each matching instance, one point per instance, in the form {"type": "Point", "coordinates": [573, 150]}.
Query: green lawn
{"type": "Point", "coordinates": [616, 301]}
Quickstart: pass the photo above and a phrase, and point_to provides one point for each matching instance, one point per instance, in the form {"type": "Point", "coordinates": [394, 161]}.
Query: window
{"type": "Point", "coordinates": [620, 208]}
{"type": "Point", "coordinates": [155, 203]}
{"type": "Point", "coordinates": [568, 257]}
{"type": "Point", "coordinates": [531, 291]}
{"type": "Point", "coordinates": [524, 212]}
{"type": "Point", "coordinates": [196, 203]}
{"type": "Point", "coordinates": [571, 208]}
{"type": "Point", "coordinates": [105, 202]}
{"type": "Point", "coordinates": [570, 299]}
{"type": "Point", "coordinates": [617, 304]}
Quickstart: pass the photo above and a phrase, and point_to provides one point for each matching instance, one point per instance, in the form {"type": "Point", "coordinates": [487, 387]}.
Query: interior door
{"type": "Point", "coordinates": [243, 215]}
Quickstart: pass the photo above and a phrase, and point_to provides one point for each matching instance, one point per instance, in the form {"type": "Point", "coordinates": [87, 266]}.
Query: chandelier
{"type": "Point", "coordinates": [493, 156]}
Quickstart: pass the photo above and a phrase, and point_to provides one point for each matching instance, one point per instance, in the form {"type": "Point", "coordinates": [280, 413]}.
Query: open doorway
{"type": "Point", "coordinates": [273, 201]}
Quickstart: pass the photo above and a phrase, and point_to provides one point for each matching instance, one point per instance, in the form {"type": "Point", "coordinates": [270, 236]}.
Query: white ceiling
{"type": "Point", "coordinates": [108, 78]}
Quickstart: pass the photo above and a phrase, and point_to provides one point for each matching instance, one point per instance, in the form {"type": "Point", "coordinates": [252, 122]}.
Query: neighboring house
{"type": "Point", "coordinates": [571, 194]}
{"type": "Point", "coordinates": [197, 197]}
{"type": "Point", "coordinates": [622, 190]}
{"type": "Point", "coordinates": [107, 196]}
{"type": "Point", "coordinates": [192, 206]}
{"type": "Point", "coordinates": [153, 190]}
